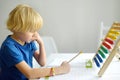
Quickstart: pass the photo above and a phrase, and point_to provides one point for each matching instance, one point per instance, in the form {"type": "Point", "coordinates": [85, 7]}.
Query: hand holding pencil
{"type": "Point", "coordinates": [65, 66]}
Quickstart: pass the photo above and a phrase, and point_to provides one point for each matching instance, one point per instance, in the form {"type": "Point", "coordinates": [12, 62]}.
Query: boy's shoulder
{"type": "Point", "coordinates": [8, 41]}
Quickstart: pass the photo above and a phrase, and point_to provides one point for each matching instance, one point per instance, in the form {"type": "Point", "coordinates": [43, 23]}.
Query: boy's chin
{"type": "Point", "coordinates": [28, 41]}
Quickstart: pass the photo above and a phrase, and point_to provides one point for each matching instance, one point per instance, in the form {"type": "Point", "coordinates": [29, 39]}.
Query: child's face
{"type": "Point", "coordinates": [26, 37]}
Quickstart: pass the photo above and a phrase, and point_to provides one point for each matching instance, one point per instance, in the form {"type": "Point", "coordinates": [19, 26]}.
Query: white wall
{"type": "Point", "coordinates": [74, 24]}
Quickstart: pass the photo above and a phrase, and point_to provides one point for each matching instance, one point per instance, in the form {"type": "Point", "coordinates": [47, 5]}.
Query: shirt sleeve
{"type": "Point", "coordinates": [11, 56]}
{"type": "Point", "coordinates": [35, 46]}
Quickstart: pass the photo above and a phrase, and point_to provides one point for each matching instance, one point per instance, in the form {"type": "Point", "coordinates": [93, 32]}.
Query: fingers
{"type": "Point", "coordinates": [65, 66]}
{"type": "Point", "coordinates": [65, 63]}
{"type": "Point", "coordinates": [36, 36]}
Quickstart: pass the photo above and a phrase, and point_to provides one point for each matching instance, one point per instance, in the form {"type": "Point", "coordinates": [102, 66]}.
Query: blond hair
{"type": "Point", "coordinates": [24, 19]}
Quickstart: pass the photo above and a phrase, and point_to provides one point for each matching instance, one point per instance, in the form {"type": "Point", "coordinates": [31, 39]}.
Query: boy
{"type": "Point", "coordinates": [18, 48]}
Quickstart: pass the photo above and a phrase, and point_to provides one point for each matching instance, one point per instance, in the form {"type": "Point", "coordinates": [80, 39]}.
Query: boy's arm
{"type": "Point", "coordinates": [40, 55]}
{"type": "Point", "coordinates": [34, 73]}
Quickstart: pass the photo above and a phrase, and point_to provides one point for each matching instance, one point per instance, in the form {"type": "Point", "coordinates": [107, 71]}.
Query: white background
{"type": "Point", "coordinates": [74, 24]}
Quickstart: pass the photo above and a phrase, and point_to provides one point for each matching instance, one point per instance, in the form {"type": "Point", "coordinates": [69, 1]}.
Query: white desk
{"type": "Point", "coordinates": [78, 70]}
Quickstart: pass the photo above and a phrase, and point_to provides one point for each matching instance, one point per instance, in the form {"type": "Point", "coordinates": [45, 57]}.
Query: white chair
{"type": "Point", "coordinates": [103, 31]}
{"type": "Point", "coordinates": [50, 47]}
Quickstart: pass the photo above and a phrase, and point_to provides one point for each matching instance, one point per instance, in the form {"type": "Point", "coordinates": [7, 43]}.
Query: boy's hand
{"type": "Point", "coordinates": [37, 37]}
{"type": "Point", "coordinates": [65, 66]}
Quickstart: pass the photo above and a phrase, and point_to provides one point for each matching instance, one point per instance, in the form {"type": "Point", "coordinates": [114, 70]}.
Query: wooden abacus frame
{"type": "Point", "coordinates": [115, 26]}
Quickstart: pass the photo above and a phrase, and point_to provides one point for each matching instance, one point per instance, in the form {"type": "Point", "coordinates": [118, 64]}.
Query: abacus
{"type": "Point", "coordinates": [108, 48]}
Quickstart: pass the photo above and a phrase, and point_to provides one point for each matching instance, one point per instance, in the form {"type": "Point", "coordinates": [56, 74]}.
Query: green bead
{"type": "Point", "coordinates": [104, 49]}
{"type": "Point", "coordinates": [101, 53]}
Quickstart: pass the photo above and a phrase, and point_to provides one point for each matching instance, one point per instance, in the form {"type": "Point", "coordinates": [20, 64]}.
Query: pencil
{"type": "Point", "coordinates": [75, 56]}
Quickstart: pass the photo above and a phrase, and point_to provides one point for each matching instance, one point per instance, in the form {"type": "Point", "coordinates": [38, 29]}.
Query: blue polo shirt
{"type": "Point", "coordinates": [12, 53]}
